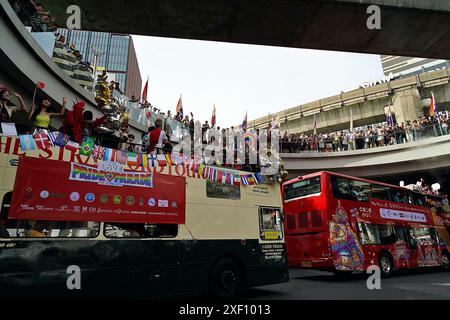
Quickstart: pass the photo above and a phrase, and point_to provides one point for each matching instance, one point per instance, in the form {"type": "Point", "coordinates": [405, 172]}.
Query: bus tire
{"type": "Point", "coordinates": [226, 278]}
{"type": "Point", "coordinates": [445, 258]}
{"type": "Point", "coordinates": [386, 264]}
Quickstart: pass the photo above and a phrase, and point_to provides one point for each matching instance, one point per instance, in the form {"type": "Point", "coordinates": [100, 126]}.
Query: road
{"type": "Point", "coordinates": [312, 284]}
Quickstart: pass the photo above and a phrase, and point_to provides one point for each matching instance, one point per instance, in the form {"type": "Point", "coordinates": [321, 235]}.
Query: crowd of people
{"type": "Point", "coordinates": [33, 14]}
{"type": "Point", "coordinates": [371, 137]}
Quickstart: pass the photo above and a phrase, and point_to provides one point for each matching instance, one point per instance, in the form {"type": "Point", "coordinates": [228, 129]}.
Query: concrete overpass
{"type": "Point", "coordinates": [409, 98]}
{"type": "Point", "coordinates": [23, 63]}
{"type": "Point", "coordinates": [419, 28]}
{"type": "Point", "coordinates": [390, 163]}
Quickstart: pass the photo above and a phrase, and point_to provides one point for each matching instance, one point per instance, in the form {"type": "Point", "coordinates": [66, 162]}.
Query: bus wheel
{"type": "Point", "coordinates": [385, 264]}
{"type": "Point", "coordinates": [225, 279]}
{"type": "Point", "coordinates": [445, 258]}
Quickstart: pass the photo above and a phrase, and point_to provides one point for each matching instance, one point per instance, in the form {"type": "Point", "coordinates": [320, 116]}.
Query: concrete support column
{"type": "Point", "coordinates": [407, 105]}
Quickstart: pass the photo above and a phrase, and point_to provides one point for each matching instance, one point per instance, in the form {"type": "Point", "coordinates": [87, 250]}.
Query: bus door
{"type": "Point", "coordinates": [424, 242]}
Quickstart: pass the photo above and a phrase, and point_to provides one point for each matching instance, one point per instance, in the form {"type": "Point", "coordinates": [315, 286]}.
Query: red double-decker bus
{"type": "Point", "coordinates": [343, 224]}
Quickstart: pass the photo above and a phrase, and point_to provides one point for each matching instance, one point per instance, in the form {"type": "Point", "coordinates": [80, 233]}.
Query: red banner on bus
{"type": "Point", "coordinates": [63, 191]}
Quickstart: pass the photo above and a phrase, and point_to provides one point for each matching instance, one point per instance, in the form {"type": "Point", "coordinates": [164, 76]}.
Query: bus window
{"type": "Point", "coordinates": [52, 229]}
{"type": "Point", "coordinates": [423, 236]}
{"type": "Point", "coordinates": [140, 230]}
{"type": "Point", "coordinates": [340, 187]}
{"type": "Point", "coordinates": [302, 188]}
{"type": "Point", "coordinates": [303, 220]}
{"type": "Point", "coordinates": [380, 192]}
{"type": "Point", "coordinates": [398, 195]}
{"type": "Point", "coordinates": [316, 219]}
{"type": "Point", "coordinates": [290, 220]}
{"type": "Point", "coordinates": [360, 190]}
{"type": "Point", "coordinates": [400, 234]}
{"type": "Point", "coordinates": [270, 224]}
{"type": "Point", "coordinates": [418, 199]}
{"type": "Point", "coordinates": [387, 234]}
{"type": "Point", "coordinates": [368, 233]}
{"type": "Point", "coordinates": [409, 198]}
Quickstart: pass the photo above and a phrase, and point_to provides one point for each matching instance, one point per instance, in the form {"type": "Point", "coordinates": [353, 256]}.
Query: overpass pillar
{"type": "Point", "coordinates": [407, 105]}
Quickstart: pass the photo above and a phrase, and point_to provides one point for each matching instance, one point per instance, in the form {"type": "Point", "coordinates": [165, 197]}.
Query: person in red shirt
{"type": "Point", "coordinates": [157, 137]}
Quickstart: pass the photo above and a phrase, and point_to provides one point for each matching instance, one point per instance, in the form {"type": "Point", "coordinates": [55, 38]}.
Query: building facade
{"type": "Point", "coordinates": [409, 66]}
{"type": "Point", "coordinates": [117, 56]}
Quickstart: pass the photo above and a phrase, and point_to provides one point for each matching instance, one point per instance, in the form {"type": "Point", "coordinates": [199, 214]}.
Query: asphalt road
{"type": "Point", "coordinates": [311, 284]}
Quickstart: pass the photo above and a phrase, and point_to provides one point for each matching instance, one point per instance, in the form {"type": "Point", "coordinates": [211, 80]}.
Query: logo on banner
{"type": "Point", "coordinates": [110, 173]}
{"type": "Point", "coordinates": [104, 198]}
{"type": "Point", "coordinates": [117, 199]}
{"type": "Point", "coordinates": [90, 197]}
{"type": "Point", "coordinates": [130, 200]}
{"type": "Point", "coordinates": [74, 196]}
{"type": "Point", "coordinates": [152, 202]}
{"type": "Point", "coordinates": [163, 203]}
{"type": "Point", "coordinates": [44, 194]}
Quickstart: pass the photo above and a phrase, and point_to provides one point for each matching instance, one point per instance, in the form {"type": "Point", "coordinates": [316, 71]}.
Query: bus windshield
{"type": "Point", "coordinates": [302, 188]}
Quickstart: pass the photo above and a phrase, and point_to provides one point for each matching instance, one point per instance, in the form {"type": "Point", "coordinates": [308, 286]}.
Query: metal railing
{"type": "Point", "coordinates": [361, 142]}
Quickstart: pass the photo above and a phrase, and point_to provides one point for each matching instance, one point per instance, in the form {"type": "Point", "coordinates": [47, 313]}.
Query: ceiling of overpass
{"type": "Point", "coordinates": [406, 29]}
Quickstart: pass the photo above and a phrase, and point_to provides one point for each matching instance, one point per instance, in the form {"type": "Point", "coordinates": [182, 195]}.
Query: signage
{"type": "Point", "coordinates": [75, 192]}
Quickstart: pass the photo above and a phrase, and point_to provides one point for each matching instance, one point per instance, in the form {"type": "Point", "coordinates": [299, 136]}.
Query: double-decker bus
{"type": "Point", "coordinates": [343, 224]}
{"type": "Point", "coordinates": [187, 234]}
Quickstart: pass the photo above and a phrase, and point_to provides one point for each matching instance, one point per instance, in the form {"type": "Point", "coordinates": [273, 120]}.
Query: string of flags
{"type": "Point", "coordinates": [43, 139]}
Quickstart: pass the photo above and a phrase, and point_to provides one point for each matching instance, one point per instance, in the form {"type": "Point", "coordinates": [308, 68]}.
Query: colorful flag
{"type": "Point", "coordinates": [145, 93]}
{"type": "Point", "coordinates": [61, 140]}
{"type": "Point", "coordinates": [351, 119]}
{"type": "Point", "coordinates": [245, 181]}
{"type": "Point", "coordinates": [110, 155]}
{"type": "Point", "coordinates": [52, 137]}
{"type": "Point", "coordinates": [433, 107]}
{"type": "Point", "coordinates": [213, 174]}
{"type": "Point", "coordinates": [72, 146]}
{"type": "Point", "coordinates": [132, 160]}
{"type": "Point", "coordinates": [259, 178]}
{"type": "Point", "coordinates": [251, 179]}
{"type": "Point", "coordinates": [27, 142]}
{"type": "Point", "coordinates": [151, 161]}
{"type": "Point", "coordinates": [219, 176]}
{"type": "Point", "coordinates": [201, 168]}
{"type": "Point", "coordinates": [143, 160]}
{"type": "Point", "coordinates": [169, 159]}
{"type": "Point", "coordinates": [315, 124]}
{"type": "Point", "coordinates": [213, 117]}
{"type": "Point", "coordinates": [40, 85]}
{"type": "Point", "coordinates": [86, 146]}
{"type": "Point", "coordinates": [121, 157]}
{"type": "Point", "coordinates": [42, 141]}
{"type": "Point", "coordinates": [162, 161]}
{"type": "Point", "coordinates": [98, 153]}
{"type": "Point", "coordinates": [179, 108]}
{"type": "Point", "coordinates": [236, 179]}
{"type": "Point", "coordinates": [244, 123]}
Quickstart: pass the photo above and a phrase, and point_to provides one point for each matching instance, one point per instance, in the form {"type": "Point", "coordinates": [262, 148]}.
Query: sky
{"type": "Point", "coordinates": [240, 78]}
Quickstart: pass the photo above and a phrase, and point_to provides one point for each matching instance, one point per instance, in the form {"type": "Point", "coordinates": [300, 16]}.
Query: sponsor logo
{"type": "Point", "coordinates": [74, 196]}
{"type": "Point", "coordinates": [174, 204]}
{"type": "Point", "coordinates": [117, 199]}
{"type": "Point", "coordinates": [44, 194]}
{"type": "Point", "coordinates": [163, 203]}
{"type": "Point", "coordinates": [89, 197]}
{"type": "Point", "coordinates": [130, 200]}
{"type": "Point", "coordinates": [152, 202]}
{"type": "Point", "coordinates": [141, 201]}
{"type": "Point", "coordinates": [104, 198]}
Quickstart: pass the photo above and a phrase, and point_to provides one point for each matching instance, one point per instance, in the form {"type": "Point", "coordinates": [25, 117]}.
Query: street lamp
{"type": "Point", "coordinates": [97, 54]}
